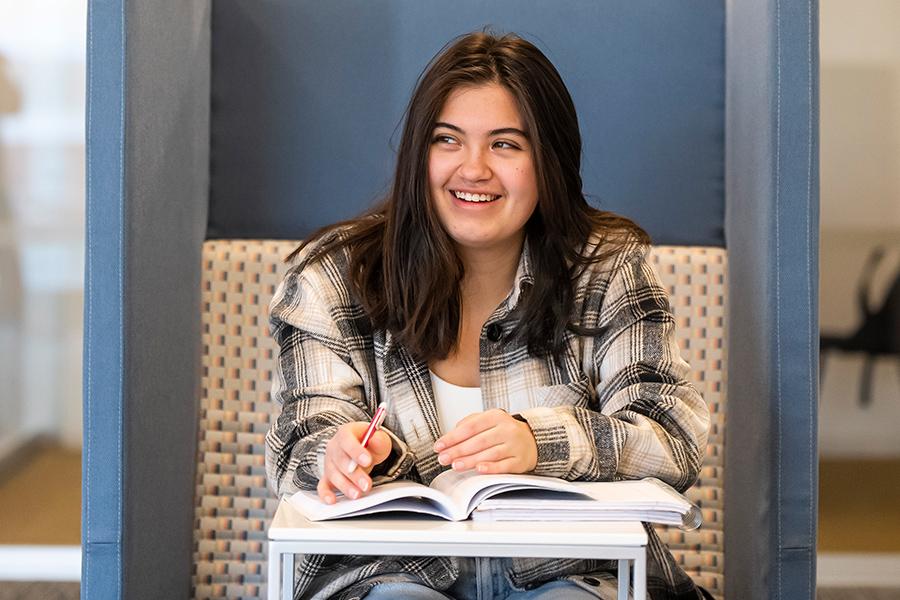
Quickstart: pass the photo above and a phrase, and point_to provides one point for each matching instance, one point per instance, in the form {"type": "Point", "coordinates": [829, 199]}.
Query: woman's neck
{"type": "Point", "coordinates": [489, 273]}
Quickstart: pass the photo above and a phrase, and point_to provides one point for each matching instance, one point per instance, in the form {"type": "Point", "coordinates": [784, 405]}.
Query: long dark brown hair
{"type": "Point", "coordinates": [403, 266]}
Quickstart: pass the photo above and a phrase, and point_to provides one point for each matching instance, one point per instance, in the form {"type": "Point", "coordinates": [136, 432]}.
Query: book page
{"type": "Point", "coordinates": [642, 500]}
{"type": "Point", "coordinates": [417, 498]}
{"type": "Point", "coordinates": [467, 489]}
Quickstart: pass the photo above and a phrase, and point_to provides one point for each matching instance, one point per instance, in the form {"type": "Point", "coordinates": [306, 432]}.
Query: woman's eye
{"type": "Point", "coordinates": [443, 139]}
{"type": "Point", "coordinates": [505, 145]}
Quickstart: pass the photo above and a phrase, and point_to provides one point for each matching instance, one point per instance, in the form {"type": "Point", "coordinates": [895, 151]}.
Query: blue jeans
{"type": "Point", "coordinates": [483, 579]}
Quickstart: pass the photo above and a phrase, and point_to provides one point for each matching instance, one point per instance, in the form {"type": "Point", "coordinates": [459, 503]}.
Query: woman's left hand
{"type": "Point", "coordinates": [490, 442]}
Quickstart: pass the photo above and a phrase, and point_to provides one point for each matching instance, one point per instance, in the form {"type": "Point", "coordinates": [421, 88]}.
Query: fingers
{"type": "Point", "coordinates": [488, 455]}
{"type": "Point", "coordinates": [349, 448]}
{"type": "Point", "coordinates": [461, 455]}
{"type": "Point", "coordinates": [379, 447]}
{"type": "Point", "coordinates": [347, 462]}
{"type": "Point", "coordinates": [352, 484]}
{"type": "Point", "coordinates": [507, 465]}
{"type": "Point", "coordinates": [471, 425]}
{"type": "Point", "coordinates": [491, 442]}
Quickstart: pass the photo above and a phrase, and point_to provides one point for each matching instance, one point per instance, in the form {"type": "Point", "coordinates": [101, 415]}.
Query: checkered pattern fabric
{"type": "Point", "coordinates": [233, 505]}
{"type": "Point", "coordinates": [695, 278]}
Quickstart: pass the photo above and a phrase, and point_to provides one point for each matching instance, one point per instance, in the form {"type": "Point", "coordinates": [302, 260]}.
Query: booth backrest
{"type": "Point", "coordinates": [317, 90]}
{"type": "Point", "coordinates": [696, 281]}
{"type": "Point", "coordinates": [232, 504]}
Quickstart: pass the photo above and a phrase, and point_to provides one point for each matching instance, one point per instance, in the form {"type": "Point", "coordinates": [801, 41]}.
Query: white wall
{"type": "Point", "coordinates": [42, 103]}
{"type": "Point", "coordinates": [860, 208]}
{"type": "Point", "coordinates": [860, 114]}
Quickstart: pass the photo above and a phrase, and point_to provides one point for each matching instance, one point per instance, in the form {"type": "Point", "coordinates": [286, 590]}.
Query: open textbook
{"type": "Point", "coordinates": [455, 496]}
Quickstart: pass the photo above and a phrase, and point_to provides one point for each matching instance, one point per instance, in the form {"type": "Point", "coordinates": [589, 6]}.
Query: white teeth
{"type": "Point", "coordinates": [475, 197]}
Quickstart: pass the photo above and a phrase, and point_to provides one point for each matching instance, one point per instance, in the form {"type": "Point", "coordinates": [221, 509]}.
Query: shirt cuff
{"type": "Point", "coordinates": [553, 448]}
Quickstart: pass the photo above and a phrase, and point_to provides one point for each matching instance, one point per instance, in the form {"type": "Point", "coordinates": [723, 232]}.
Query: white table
{"type": "Point", "coordinates": [416, 535]}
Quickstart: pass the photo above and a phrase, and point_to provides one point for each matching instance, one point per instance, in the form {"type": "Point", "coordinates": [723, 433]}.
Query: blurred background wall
{"type": "Point", "coordinates": [42, 100]}
{"type": "Point", "coordinates": [42, 67]}
{"type": "Point", "coordinates": [859, 412]}
{"type": "Point", "coordinates": [860, 166]}
{"type": "Point", "coordinates": [860, 195]}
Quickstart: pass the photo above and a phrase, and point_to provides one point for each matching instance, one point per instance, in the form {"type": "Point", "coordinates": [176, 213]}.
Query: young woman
{"type": "Point", "coordinates": [510, 327]}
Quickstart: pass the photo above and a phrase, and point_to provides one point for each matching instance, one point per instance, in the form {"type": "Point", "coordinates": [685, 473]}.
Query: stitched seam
{"type": "Point", "coordinates": [813, 380]}
{"type": "Point", "coordinates": [121, 258]}
{"type": "Point", "coordinates": [780, 440]}
{"type": "Point", "coordinates": [88, 430]}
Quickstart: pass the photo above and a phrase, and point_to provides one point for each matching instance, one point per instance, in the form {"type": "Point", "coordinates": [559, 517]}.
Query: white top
{"type": "Point", "coordinates": [454, 402]}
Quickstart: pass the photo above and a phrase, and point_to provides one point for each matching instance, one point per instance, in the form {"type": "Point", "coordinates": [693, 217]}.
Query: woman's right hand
{"type": "Point", "coordinates": [342, 450]}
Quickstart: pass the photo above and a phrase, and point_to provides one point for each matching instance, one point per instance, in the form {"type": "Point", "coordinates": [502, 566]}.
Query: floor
{"type": "Point", "coordinates": [38, 591]}
{"type": "Point", "coordinates": [41, 500]}
{"type": "Point", "coordinates": [850, 521]}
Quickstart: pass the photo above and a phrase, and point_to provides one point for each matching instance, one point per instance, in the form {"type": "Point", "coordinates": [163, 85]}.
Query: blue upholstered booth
{"type": "Point", "coordinates": [242, 118]}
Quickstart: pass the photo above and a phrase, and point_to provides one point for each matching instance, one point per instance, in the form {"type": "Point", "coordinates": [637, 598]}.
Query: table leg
{"type": "Point", "coordinates": [274, 575]}
{"type": "Point", "coordinates": [624, 577]}
{"type": "Point", "coordinates": [640, 576]}
{"type": "Point", "coordinates": [287, 576]}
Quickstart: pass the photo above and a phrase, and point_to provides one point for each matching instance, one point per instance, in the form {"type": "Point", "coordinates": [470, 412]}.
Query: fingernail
{"type": "Point", "coordinates": [363, 484]}
{"type": "Point", "coordinates": [458, 465]}
{"type": "Point", "coordinates": [329, 499]}
{"type": "Point", "coordinates": [354, 494]}
{"type": "Point", "coordinates": [438, 446]}
{"type": "Point", "coordinates": [482, 468]}
{"type": "Point", "coordinates": [364, 459]}
{"type": "Point", "coordinates": [444, 459]}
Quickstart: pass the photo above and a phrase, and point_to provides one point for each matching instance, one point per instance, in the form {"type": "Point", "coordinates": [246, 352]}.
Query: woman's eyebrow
{"type": "Point", "coordinates": [502, 130]}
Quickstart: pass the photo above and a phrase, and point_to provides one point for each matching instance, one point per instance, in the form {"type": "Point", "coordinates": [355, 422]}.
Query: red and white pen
{"type": "Point", "coordinates": [376, 422]}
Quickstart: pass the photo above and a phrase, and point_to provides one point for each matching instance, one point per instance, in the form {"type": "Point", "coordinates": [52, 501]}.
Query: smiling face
{"type": "Point", "coordinates": [480, 169]}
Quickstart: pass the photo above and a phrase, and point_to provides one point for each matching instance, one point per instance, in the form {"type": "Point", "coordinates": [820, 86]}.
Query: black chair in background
{"type": "Point", "coordinates": [879, 333]}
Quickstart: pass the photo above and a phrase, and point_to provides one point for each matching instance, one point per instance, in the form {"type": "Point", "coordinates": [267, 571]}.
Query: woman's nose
{"type": "Point", "coordinates": [474, 166]}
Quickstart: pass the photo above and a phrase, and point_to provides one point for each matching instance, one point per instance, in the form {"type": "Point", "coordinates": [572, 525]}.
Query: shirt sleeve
{"type": "Point", "coordinates": [643, 418]}
{"type": "Point", "coordinates": [318, 387]}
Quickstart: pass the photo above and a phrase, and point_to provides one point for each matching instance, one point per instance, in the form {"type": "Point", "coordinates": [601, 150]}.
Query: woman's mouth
{"type": "Point", "coordinates": [474, 198]}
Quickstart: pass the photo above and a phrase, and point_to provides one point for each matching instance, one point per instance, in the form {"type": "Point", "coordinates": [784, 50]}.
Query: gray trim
{"type": "Point", "coordinates": [148, 132]}
{"type": "Point", "coordinates": [772, 238]}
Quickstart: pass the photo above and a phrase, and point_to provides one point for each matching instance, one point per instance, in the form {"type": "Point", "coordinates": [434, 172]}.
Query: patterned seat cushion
{"type": "Point", "coordinates": [695, 278]}
{"type": "Point", "coordinates": [233, 506]}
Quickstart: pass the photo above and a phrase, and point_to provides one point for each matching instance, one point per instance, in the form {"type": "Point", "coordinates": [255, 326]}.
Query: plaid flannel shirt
{"type": "Point", "coordinates": [617, 406]}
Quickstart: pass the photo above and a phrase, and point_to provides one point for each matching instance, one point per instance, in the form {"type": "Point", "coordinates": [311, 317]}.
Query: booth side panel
{"type": "Point", "coordinates": [772, 241]}
{"type": "Point", "coordinates": [102, 456]}
{"type": "Point", "coordinates": [148, 182]}
{"type": "Point", "coordinates": [167, 166]}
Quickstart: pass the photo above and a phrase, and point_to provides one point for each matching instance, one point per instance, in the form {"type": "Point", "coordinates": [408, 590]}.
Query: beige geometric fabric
{"type": "Point", "coordinates": [695, 278]}
{"type": "Point", "coordinates": [233, 506]}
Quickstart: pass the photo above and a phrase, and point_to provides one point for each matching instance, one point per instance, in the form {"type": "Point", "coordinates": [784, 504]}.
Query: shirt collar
{"type": "Point", "coordinates": [524, 278]}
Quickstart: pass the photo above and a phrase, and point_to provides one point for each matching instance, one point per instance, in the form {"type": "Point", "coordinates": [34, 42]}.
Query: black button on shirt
{"type": "Point", "coordinates": [494, 332]}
